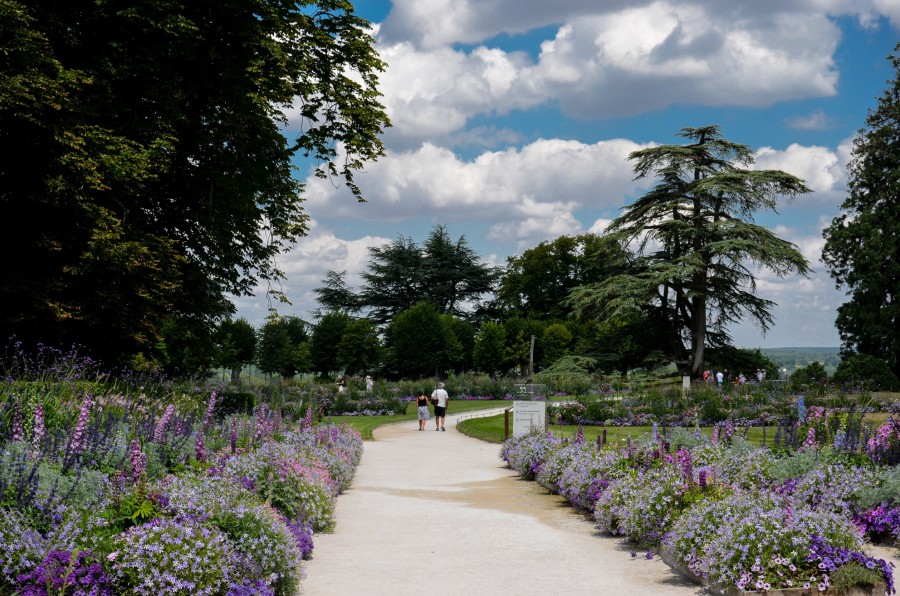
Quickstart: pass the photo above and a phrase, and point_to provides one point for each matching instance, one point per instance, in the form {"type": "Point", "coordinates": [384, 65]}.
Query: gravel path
{"type": "Point", "coordinates": [439, 513]}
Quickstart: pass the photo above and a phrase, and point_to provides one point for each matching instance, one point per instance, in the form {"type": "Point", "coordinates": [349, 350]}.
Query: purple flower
{"type": "Point", "coordinates": [138, 462]}
{"type": "Point", "coordinates": [687, 467]}
{"type": "Point", "coordinates": [18, 432]}
{"type": "Point", "coordinates": [159, 433]}
{"type": "Point", "coordinates": [76, 443]}
{"type": "Point", "coordinates": [810, 438]}
{"type": "Point", "coordinates": [61, 570]}
{"type": "Point", "coordinates": [200, 449]}
{"type": "Point", "coordinates": [39, 428]}
{"type": "Point", "coordinates": [210, 409]}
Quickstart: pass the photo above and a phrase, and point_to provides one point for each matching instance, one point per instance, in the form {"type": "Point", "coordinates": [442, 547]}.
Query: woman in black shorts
{"type": "Point", "coordinates": [422, 404]}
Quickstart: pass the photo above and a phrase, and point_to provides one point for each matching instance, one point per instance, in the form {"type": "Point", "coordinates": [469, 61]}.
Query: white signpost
{"type": "Point", "coordinates": [529, 409]}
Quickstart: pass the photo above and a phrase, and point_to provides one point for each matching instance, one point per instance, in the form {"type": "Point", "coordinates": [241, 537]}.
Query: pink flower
{"type": "Point", "coordinates": [200, 449]}
{"type": "Point", "coordinates": [810, 438]}
{"type": "Point", "coordinates": [138, 462]}
{"type": "Point", "coordinates": [210, 409]}
{"type": "Point", "coordinates": [76, 443]}
{"type": "Point", "coordinates": [159, 434]}
{"type": "Point", "coordinates": [18, 433]}
{"type": "Point", "coordinates": [38, 425]}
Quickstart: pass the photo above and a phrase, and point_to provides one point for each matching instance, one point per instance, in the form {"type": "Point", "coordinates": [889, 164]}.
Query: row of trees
{"type": "Point", "coordinates": [143, 161]}
{"type": "Point", "coordinates": [678, 265]}
{"type": "Point", "coordinates": [664, 283]}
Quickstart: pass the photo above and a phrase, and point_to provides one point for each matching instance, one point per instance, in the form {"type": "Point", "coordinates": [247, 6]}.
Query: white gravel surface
{"type": "Point", "coordinates": [439, 513]}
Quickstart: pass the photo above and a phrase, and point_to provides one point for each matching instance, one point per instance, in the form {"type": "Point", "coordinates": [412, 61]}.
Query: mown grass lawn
{"type": "Point", "coordinates": [491, 428]}
{"type": "Point", "coordinates": [366, 424]}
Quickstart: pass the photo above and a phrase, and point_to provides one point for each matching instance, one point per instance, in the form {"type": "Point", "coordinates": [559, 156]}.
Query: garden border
{"type": "Point", "coordinates": [666, 557]}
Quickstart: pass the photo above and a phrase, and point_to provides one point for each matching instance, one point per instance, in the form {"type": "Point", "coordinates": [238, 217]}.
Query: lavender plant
{"type": "Point", "coordinates": [833, 487]}
{"type": "Point", "coordinates": [642, 504]}
{"type": "Point", "coordinates": [526, 454]}
{"type": "Point", "coordinates": [168, 556]}
{"type": "Point", "coordinates": [265, 546]}
{"type": "Point", "coordinates": [588, 475]}
{"type": "Point", "coordinates": [63, 572]}
{"type": "Point", "coordinates": [297, 486]}
{"type": "Point", "coordinates": [21, 548]}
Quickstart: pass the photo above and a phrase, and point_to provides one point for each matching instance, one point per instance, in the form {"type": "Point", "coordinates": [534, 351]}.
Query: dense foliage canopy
{"type": "Point", "coordinates": [144, 161]}
{"type": "Point", "coordinates": [400, 274]}
{"type": "Point", "coordinates": [862, 244]}
{"type": "Point", "coordinates": [698, 242]}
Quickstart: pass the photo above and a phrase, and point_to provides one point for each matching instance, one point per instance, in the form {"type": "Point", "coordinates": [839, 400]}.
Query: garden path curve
{"type": "Point", "coordinates": [439, 513]}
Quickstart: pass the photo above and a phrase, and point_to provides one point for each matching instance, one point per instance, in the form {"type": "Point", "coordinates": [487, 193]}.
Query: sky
{"type": "Point", "coordinates": [513, 120]}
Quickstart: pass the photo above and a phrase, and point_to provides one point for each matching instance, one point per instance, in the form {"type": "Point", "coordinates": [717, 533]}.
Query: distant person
{"type": "Point", "coordinates": [370, 383]}
{"type": "Point", "coordinates": [422, 405]}
{"type": "Point", "coordinates": [760, 375]}
{"type": "Point", "coordinates": [439, 398]}
{"type": "Point", "coordinates": [341, 385]}
{"type": "Point", "coordinates": [720, 378]}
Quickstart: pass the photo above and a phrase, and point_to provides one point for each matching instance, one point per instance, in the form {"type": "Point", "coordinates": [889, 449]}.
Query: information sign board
{"type": "Point", "coordinates": [528, 416]}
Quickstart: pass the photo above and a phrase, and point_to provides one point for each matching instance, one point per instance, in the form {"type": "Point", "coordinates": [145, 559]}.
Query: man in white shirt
{"type": "Point", "coordinates": [440, 397]}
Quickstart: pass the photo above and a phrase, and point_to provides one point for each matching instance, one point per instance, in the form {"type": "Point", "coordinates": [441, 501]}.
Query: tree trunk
{"type": "Point", "coordinates": [235, 375]}
{"type": "Point", "coordinates": [698, 336]}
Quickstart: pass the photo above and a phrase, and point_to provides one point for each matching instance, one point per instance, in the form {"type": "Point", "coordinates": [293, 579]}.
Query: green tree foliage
{"type": "Point", "coordinates": [490, 348]}
{"type": "Point", "coordinates": [394, 280]}
{"type": "Point", "coordinates": [861, 371]}
{"type": "Point", "coordinates": [324, 340]}
{"type": "Point", "coordinates": [698, 243]}
{"type": "Point", "coordinates": [236, 343]}
{"type": "Point", "coordinates": [537, 283]}
{"type": "Point", "coordinates": [862, 245]}
{"type": "Point", "coordinates": [812, 374]}
{"type": "Point", "coordinates": [186, 347]}
{"type": "Point", "coordinates": [742, 360]}
{"type": "Point", "coordinates": [452, 273]}
{"type": "Point", "coordinates": [335, 295]}
{"type": "Point", "coordinates": [418, 342]}
{"type": "Point", "coordinates": [143, 156]}
{"type": "Point", "coordinates": [555, 342]}
{"type": "Point", "coordinates": [401, 273]}
{"type": "Point", "coordinates": [460, 336]}
{"type": "Point", "coordinates": [518, 343]}
{"type": "Point", "coordinates": [359, 350]}
{"type": "Point", "coordinates": [283, 347]}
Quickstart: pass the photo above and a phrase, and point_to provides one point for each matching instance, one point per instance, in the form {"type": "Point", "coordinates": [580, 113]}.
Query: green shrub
{"type": "Point", "coordinates": [235, 402]}
{"type": "Point", "coordinates": [866, 372]}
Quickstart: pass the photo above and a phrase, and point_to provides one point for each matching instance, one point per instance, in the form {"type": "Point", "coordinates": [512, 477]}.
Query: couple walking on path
{"type": "Point", "coordinates": [439, 397]}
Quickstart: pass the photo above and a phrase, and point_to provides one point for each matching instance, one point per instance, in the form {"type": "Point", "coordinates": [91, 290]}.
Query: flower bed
{"type": "Point", "coordinates": [727, 514]}
{"type": "Point", "coordinates": [150, 499]}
